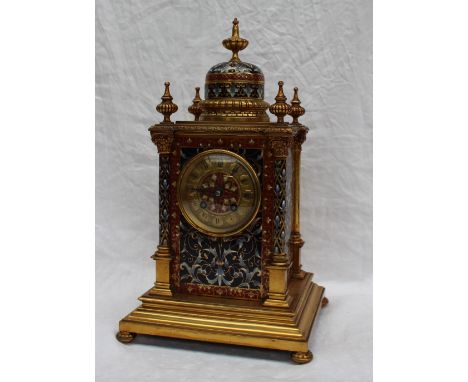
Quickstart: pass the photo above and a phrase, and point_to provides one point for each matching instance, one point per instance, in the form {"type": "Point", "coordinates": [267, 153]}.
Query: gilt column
{"type": "Point", "coordinates": [164, 140]}
{"type": "Point", "coordinates": [162, 256]}
{"type": "Point", "coordinates": [278, 268]}
{"type": "Point", "coordinates": [300, 131]}
{"type": "Point", "coordinates": [295, 240]}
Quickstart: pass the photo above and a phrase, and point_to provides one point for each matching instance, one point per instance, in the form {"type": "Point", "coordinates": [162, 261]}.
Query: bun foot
{"type": "Point", "coordinates": [125, 337]}
{"type": "Point", "coordinates": [324, 302]}
{"type": "Point", "coordinates": [302, 357]}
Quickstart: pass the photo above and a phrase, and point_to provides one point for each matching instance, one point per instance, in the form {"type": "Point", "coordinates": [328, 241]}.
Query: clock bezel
{"type": "Point", "coordinates": [257, 193]}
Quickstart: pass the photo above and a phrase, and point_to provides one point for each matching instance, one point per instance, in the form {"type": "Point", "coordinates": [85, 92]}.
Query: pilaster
{"type": "Point", "coordinates": [295, 240]}
{"type": "Point", "coordinates": [162, 256]}
{"type": "Point", "coordinates": [278, 295]}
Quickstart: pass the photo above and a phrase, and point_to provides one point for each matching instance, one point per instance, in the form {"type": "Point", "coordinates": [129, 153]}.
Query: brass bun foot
{"type": "Point", "coordinates": [125, 337]}
{"type": "Point", "coordinates": [301, 357]}
{"type": "Point", "coordinates": [324, 302]}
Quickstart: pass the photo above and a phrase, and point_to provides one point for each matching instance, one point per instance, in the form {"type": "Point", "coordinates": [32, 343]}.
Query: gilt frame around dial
{"type": "Point", "coordinates": [203, 227]}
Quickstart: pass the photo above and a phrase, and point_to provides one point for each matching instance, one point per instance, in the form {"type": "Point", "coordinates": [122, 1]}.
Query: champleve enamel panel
{"type": "Point", "coordinates": [228, 263]}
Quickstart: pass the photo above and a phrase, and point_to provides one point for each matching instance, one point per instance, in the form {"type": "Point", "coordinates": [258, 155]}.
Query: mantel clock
{"type": "Point", "coordinates": [228, 263]}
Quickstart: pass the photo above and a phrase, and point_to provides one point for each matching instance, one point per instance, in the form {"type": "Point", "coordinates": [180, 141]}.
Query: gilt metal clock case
{"type": "Point", "coordinates": [228, 262]}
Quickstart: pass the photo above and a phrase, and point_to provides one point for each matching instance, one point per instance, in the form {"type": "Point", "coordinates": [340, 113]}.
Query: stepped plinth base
{"type": "Point", "coordinates": [231, 321]}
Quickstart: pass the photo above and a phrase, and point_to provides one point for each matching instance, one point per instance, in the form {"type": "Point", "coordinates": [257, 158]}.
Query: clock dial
{"type": "Point", "coordinates": [218, 192]}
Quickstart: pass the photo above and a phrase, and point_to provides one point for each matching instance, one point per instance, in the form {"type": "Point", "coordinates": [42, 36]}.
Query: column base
{"type": "Point", "coordinates": [279, 302]}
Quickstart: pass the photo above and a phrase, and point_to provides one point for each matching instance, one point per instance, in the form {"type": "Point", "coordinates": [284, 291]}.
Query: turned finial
{"type": "Point", "coordinates": [235, 43]}
{"type": "Point", "coordinates": [296, 109]}
{"type": "Point", "coordinates": [166, 107]}
{"type": "Point", "coordinates": [280, 108]}
{"type": "Point", "coordinates": [195, 108]}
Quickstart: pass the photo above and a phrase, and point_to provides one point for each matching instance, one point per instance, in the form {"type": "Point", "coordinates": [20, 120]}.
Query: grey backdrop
{"type": "Point", "coordinates": [324, 48]}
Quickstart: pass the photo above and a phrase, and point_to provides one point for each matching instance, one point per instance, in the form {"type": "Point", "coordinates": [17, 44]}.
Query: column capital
{"type": "Point", "coordinates": [280, 147]}
{"type": "Point", "coordinates": [300, 137]}
{"type": "Point", "coordinates": [163, 142]}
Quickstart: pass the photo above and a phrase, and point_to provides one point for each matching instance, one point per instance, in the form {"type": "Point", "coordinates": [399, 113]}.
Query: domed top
{"type": "Point", "coordinates": [234, 79]}
{"type": "Point", "coordinates": [234, 89]}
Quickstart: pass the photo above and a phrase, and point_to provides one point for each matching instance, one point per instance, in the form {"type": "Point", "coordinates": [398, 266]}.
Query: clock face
{"type": "Point", "coordinates": [218, 192]}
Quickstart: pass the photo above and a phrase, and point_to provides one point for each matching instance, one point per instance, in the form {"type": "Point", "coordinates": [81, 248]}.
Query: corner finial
{"type": "Point", "coordinates": [195, 108]}
{"type": "Point", "coordinates": [296, 109]}
{"type": "Point", "coordinates": [235, 43]}
{"type": "Point", "coordinates": [167, 107]}
{"type": "Point", "coordinates": [280, 108]}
